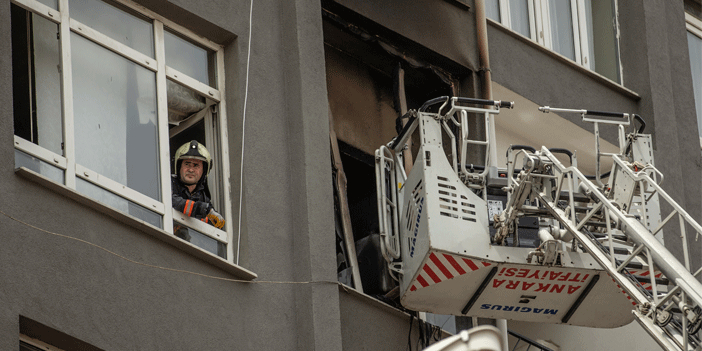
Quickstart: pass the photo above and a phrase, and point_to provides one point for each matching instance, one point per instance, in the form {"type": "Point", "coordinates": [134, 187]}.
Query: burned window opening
{"type": "Point", "coordinates": [364, 93]}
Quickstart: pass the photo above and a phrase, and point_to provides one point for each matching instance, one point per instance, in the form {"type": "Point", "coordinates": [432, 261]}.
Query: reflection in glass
{"type": "Point", "coordinates": [117, 202]}
{"type": "Point", "coordinates": [36, 80]}
{"type": "Point", "coordinates": [200, 240]}
{"type": "Point", "coordinates": [519, 15]}
{"type": "Point", "coordinates": [51, 3]}
{"type": "Point", "coordinates": [117, 24]}
{"type": "Point", "coordinates": [190, 59]}
{"type": "Point", "coordinates": [47, 170]}
{"type": "Point", "coordinates": [562, 28]}
{"type": "Point", "coordinates": [694, 44]}
{"type": "Point", "coordinates": [602, 43]}
{"type": "Point", "coordinates": [182, 102]}
{"type": "Point", "coordinates": [115, 117]}
{"type": "Point", "coordinates": [492, 10]}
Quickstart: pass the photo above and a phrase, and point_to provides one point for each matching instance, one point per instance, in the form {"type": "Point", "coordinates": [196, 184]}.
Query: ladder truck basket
{"type": "Point", "coordinates": [588, 260]}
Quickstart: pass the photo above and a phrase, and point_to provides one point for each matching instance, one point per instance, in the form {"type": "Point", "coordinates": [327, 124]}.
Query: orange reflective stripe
{"type": "Point", "coordinates": [188, 210]}
{"type": "Point", "coordinates": [204, 219]}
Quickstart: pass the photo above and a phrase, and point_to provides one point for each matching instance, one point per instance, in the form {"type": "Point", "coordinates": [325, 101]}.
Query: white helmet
{"type": "Point", "coordinates": [193, 150]}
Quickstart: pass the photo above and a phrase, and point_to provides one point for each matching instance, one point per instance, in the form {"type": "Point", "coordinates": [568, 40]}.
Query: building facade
{"type": "Point", "coordinates": [101, 93]}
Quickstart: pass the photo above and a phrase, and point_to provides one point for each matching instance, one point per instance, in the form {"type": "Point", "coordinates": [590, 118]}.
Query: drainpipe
{"type": "Point", "coordinates": [484, 56]}
{"type": "Point", "coordinates": [481, 27]}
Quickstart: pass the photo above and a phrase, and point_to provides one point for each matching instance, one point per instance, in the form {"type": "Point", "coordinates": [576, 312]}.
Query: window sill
{"type": "Point", "coordinates": [138, 224]}
{"type": "Point", "coordinates": [592, 74]}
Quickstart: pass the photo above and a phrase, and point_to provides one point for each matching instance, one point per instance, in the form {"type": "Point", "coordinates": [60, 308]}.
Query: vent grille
{"type": "Point", "coordinates": [450, 204]}
{"type": "Point", "coordinates": [413, 205]}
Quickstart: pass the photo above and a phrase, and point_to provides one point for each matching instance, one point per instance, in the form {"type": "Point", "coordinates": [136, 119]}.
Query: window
{"type": "Point", "coordinates": [582, 30]}
{"type": "Point", "coordinates": [104, 91]}
{"type": "Point", "coordinates": [694, 43]}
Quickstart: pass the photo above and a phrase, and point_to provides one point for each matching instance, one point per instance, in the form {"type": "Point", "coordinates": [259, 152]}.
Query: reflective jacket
{"type": "Point", "coordinates": [196, 204]}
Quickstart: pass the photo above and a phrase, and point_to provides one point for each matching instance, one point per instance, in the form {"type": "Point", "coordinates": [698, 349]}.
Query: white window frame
{"type": "Point", "coordinates": [694, 26]}
{"type": "Point", "coordinates": [157, 64]}
{"type": "Point", "coordinates": [540, 28]}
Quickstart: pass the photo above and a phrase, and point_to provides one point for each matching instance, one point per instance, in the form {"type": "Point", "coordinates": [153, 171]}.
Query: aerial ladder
{"type": "Point", "coordinates": [538, 240]}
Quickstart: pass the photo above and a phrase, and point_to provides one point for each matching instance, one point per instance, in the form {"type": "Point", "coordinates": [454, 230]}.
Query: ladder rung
{"type": "Point", "coordinates": [659, 281]}
{"type": "Point", "coordinates": [577, 197]}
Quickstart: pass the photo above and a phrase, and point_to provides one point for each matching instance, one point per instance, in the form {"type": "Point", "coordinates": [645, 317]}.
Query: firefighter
{"type": "Point", "coordinates": [191, 195]}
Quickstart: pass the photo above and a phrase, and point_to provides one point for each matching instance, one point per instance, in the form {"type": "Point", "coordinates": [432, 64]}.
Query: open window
{"type": "Point", "coordinates": [104, 92]}
{"type": "Point", "coordinates": [363, 85]}
{"type": "Point", "coordinates": [694, 44]}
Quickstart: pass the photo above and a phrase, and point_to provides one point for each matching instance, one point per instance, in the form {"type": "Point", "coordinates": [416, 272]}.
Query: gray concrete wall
{"type": "Point", "coordinates": [370, 325]}
{"type": "Point", "coordinates": [103, 299]}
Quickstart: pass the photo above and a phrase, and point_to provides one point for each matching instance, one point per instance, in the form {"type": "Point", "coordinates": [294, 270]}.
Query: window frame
{"type": "Point", "coordinates": [540, 30]}
{"type": "Point", "coordinates": [694, 26]}
{"type": "Point", "coordinates": [157, 64]}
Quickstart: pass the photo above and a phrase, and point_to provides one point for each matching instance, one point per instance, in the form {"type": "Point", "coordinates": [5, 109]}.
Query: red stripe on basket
{"type": "Point", "coordinates": [454, 264]}
{"type": "Point", "coordinates": [470, 264]}
{"type": "Point", "coordinates": [441, 266]}
{"type": "Point", "coordinates": [431, 273]}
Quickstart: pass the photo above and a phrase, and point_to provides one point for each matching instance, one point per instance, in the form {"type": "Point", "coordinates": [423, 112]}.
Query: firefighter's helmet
{"type": "Point", "coordinates": [193, 150]}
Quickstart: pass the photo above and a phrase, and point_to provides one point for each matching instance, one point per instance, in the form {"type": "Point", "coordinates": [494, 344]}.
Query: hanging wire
{"type": "Point", "coordinates": [243, 133]}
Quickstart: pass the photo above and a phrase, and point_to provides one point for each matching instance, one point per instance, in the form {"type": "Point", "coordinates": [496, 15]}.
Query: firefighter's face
{"type": "Point", "coordinates": [191, 171]}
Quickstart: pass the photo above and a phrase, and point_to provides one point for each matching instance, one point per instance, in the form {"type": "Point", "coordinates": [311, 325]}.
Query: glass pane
{"type": "Point", "coordinates": [602, 43]}
{"type": "Point", "coordinates": [562, 28]}
{"type": "Point", "coordinates": [51, 3]}
{"type": "Point", "coordinates": [128, 29]}
{"type": "Point", "coordinates": [200, 240]}
{"type": "Point", "coordinates": [47, 170]}
{"type": "Point", "coordinates": [182, 102]}
{"type": "Point", "coordinates": [36, 80]}
{"type": "Point", "coordinates": [115, 117]}
{"type": "Point", "coordinates": [694, 44]}
{"type": "Point", "coordinates": [519, 13]}
{"type": "Point", "coordinates": [117, 202]}
{"type": "Point", "coordinates": [492, 10]}
{"type": "Point", "coordinates": [190, 59]}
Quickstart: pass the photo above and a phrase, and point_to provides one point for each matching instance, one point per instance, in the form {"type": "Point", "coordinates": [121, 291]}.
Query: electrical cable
{"type": "Point", "coordinates": [167, 268]}
{"type": "Point", "coordinates": [243, 132]}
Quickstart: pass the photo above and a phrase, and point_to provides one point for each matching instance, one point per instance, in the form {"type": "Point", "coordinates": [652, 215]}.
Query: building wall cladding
{"type": "Point", "coordinates": [114, 304]}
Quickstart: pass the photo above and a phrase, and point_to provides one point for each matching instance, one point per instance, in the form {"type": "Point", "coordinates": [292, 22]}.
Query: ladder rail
{"type": "Point", "coordinates": [678, 274]}
{"type": "Point", "coordinates": [387, 205]}
{"type": "Point", "coordinates": [667, 262]}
